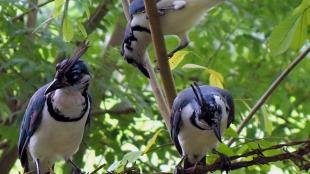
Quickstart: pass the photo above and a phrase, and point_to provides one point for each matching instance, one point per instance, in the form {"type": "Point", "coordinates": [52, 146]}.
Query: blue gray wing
{"type": "Point", "coordinates": [30, 122]}
{"type": "Point", "coordinates": [176, 124]}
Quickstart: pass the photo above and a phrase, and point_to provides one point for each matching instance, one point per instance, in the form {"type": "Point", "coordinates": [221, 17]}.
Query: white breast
{"type": "Point", "coordinates": [55, 140]}
{"type": "Point", "coordinates": [195, 142]}
{"type": "Point", "coordinates": [177, 22]}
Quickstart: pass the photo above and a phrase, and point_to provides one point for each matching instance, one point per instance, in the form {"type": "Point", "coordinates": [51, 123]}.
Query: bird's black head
{"type": "Point", "coordinates": [210, 110]}
{"type": "Point", "coordinates": [71, 72]}
{"type": "Point", "coordinates": [77, 77]}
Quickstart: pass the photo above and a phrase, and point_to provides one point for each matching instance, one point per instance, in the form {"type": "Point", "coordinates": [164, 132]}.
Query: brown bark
{"type": "Point", "coordinates": [8, 159]}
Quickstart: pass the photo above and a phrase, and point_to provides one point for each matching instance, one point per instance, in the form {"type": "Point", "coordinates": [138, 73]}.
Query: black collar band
{"type": "Point", "coordinates": [59, 116]}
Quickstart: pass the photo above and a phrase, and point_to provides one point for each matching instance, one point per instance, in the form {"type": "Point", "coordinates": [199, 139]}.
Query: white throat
{"type": "Point", "coordinates": [69, 101]}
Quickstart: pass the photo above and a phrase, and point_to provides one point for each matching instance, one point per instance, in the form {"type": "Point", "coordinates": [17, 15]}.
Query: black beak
{"type": "Point", "coordinates": [217, 132]}
{"type": "Point", "coordinates": [55, 84]}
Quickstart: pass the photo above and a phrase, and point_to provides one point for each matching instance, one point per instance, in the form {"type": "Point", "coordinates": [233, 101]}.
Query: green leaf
{"type": "Point", "coordinates": [177, 59]}
{"type": "Point", "coordinates": [223, 148]}
{"type": "Point", "coordinates": [59, 3]}
{"type": "Point", "coordinates": [152, 141]}
{"type": "Point", "coordinates": [86, 9]}
{"type": "Point", "coordinates": [282, 36]}
{"type": "Point", "coordinates": [216, 79]}
{"type": "Point", "coordinates": [307, 13]}
{"type": "Point", "coordinates": [131, 157]}
{"type": "Point", "coordinates": [82, 29]}
{"type": "Point", "coordinates": [305, 4]}
{"type": "Point", "coordinates": [230, 132]}
{"type": "Point", "coordinates": [117, 166]}
{"type": "Point", "coordinates": [57, 7]}
{"type": "Point", "coordinates": [267, 121]}
{"type": "Point", "coordinates": [300, 35]}
{"type": "Point", "coordinates": [68, 31]}
{"type": "Point", "coordinates": [193, 66]}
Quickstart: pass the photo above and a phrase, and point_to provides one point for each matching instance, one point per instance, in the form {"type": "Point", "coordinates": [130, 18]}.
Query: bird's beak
{"type": "Point", "coordinates": [217, 132]}
{"type": "Point", "coordinates": [55, 84]}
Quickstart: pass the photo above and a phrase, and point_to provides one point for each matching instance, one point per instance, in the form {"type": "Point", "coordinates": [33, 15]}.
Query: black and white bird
{"type": "Point", "coordinates": [53, 125]}
{"type": "Point", "coordinates": [200, 115]}
{"type": "Point", "coordinates": [176, 17]}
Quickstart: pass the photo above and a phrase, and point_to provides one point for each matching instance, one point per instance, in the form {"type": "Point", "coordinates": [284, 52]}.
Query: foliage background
{"type": "Point", "coordinates": [232, 40]}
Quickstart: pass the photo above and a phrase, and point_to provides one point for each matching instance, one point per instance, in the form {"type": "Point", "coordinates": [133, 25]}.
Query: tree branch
{"type": "Point", "coordinates": [161, 52]}
{"type": "Point", "coordinates": [31, 9]}
{"type": "Point", "coordinates": [95, 18]}
{"type": "Point", "coordinates": [259, 158]}
{"type": "Point", "coordinates": [268, 93]}
{"type": "Point", "coordinates": [115, 111]}
{"type": "Point", "coordinates": [162, 104]}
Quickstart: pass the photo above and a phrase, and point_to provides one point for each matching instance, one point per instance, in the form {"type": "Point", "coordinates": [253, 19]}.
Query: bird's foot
{"type": "Point", "coordinates": [224, 160]}
{"type": "Point", "coordinates": [178, 168]}
{"type": "Point", "coordinates": [77, 171]}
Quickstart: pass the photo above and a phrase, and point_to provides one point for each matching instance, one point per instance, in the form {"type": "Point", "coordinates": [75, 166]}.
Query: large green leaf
{"type": "Point", "coordinates": [282, 35]}
{"type": "Point", "coordinates": [68, 31]}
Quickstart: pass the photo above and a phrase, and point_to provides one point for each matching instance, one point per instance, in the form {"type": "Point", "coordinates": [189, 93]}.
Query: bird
{"type": "Point", "coordinates": [176, 18]}
{"type": "Point", "coordinates": [55, 118]}
{"type": "Point", "coordinates": [199, 116]}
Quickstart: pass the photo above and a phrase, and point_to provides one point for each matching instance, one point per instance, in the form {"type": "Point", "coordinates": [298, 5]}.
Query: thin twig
{"type": "Point", "coordinates": [128, 110]}
{"type": "Point", "coordinates": [29, 10]}
{"type": "Point", "coordinates": [97, 169]}
{"type": "Point", "coordinates": [268, 93]}
{"type": "Point", "coordinates": [161, 52]}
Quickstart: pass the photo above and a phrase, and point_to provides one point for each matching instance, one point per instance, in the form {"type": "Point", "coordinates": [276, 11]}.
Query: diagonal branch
{"type": "Point", "coordinates": [93, 22]}
{"type": "Point", "coordinates": [296, 156]}
{"type": "Point", "coordinates": [31, 9]}
{"type": "Point", "coordinates": [159, 45]}
{"type": "Point", "coordinates": [270, 90]}
{"type": "Point", "coordinates": [163, 108]}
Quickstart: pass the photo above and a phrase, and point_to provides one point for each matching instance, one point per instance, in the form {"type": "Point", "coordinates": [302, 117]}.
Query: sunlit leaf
{"type": "Point", "coordinates": [223, 148]}
{"type": "Point", "coordinates": [305, 4]}
{"type": "Point", "coordinates": [86, 9]}
{"type": "Point", "coordinates": [193, 66]}
{"type": "Point", "coordinates": [131, 157]}
{"type": "Point", "coordinates": [152, 141]}
{"type": "Point", "coordinates": [300, 35]}
{"type": "Point", "coordinates": [58, 7]}
{"type": "Point", "coordinates": [177, 59]}
{"type": "Point", "coordinates": [230, 132]}
{"type": "Point", "coordinates": [267, 121]}
{"type": "Point", "coordinates": [59, 3]}
{"type": "Point", "coordinates": [68, 31]}
{"type": "Point", "coordinates": [282, 35]}
{"type": "Point", "coordinates": [117, 166]}
{"type": "Point", "coordinates": [216, 79]}
{"type": "Point", "coordinates": [82, 29]}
